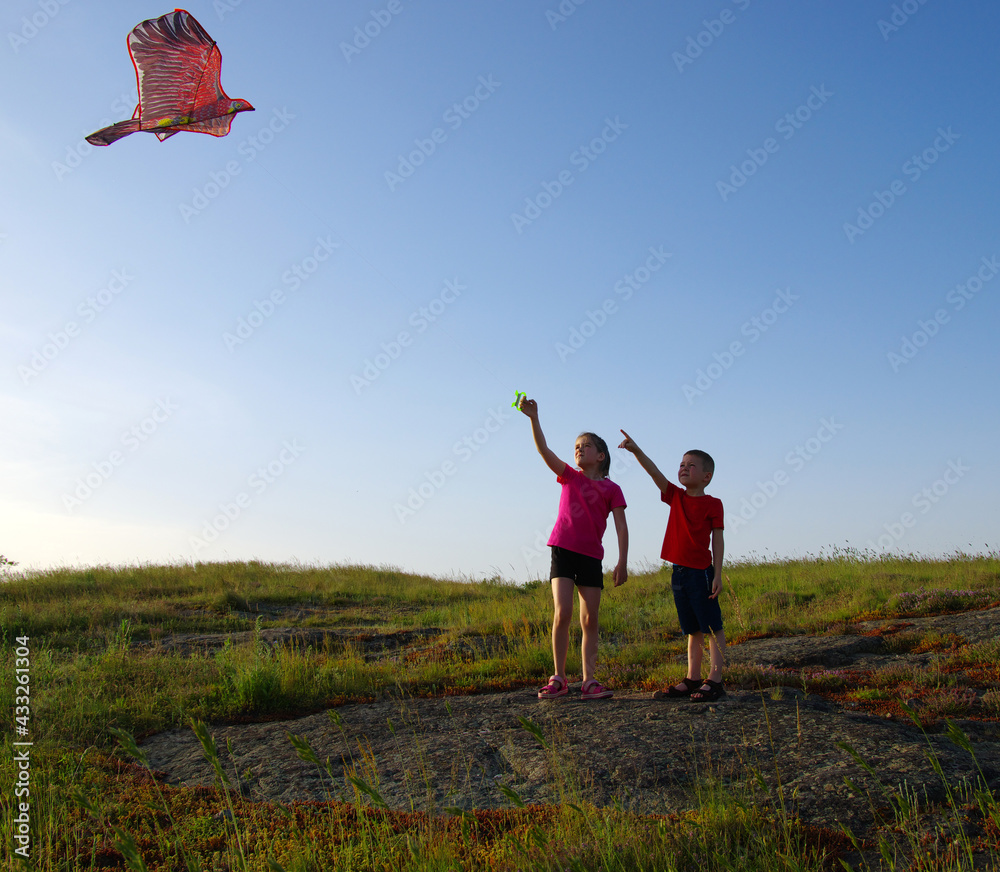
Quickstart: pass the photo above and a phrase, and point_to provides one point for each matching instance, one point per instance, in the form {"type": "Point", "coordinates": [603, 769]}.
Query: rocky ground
{"type": "Point", "coordinates": [645, 755]}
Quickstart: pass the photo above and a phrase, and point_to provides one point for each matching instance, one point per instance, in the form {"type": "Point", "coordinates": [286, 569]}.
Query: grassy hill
{"type": "Point", "coordinates": [116, 652]}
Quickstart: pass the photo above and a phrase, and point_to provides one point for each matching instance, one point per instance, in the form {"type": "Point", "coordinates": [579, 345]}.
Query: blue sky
{"type": "Point", "coordinates": [767, 230]}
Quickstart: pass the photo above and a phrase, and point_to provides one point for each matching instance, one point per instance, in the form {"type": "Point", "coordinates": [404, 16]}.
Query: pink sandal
{"type": "Point", "coordinates": [556, 687]}
{"type": "Point", "coordinates": [592, 690]}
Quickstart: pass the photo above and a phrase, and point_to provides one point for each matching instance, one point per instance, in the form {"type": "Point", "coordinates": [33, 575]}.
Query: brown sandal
{"type": "Point", "coordinates": [715, 690]}
{"type": "Point", "coordinates": [690, 684]}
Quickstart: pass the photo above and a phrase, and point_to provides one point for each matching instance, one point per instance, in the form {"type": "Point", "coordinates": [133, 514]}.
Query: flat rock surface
{"type": "Point", "coordinates": [646, 755]}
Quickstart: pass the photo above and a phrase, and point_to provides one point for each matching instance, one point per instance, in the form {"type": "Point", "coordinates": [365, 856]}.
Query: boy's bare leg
{"type": "Point", "coordinates": [562, 600]}
{"type": "Point", "coordinates": [696, 645]}
{"type": "Point", "coordinates": [717, 655]}
{"type": "Point", "coordinates": [590, 602]}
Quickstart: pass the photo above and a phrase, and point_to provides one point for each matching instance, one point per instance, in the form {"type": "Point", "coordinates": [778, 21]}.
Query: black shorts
{"type": "Point", "coordinates": [585, 571]}
{"type": "Point", "coordinates": [696, 612]}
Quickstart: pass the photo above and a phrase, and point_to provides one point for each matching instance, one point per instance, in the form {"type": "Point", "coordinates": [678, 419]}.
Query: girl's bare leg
{"type": "Point", "coordinates": [590, 603]}
{"type": "Point", "coordinates": [562, 601]}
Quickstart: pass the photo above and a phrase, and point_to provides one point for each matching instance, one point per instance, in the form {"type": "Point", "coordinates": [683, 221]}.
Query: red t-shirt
{"type": "Point", "coordinates": [689, 528]}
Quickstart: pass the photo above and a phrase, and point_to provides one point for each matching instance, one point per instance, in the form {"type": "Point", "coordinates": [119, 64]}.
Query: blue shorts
{"type": "Point", "coordinates": [585, 571]}
{"type": "Point", "coordinates": [696, 612]}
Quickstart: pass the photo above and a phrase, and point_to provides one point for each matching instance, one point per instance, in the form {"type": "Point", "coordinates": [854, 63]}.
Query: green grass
{"type": "Point", "coordinates": [95, 670]}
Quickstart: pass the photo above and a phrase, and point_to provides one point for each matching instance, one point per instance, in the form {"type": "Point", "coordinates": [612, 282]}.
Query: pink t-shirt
{"type": "Point", "coordinates": [584, 506]}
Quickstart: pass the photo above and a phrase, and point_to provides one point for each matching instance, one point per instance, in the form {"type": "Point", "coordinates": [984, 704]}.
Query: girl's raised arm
{"type": "Point", "coordinates": [530, 408]}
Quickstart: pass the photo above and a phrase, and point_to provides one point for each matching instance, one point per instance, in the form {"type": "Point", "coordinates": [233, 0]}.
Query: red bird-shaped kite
{"type": "Point", "coordinates": [177, 66]}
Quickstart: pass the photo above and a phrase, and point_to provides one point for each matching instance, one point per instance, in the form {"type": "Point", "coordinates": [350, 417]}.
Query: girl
{"type": "Point", "coordinates": [588, 497]}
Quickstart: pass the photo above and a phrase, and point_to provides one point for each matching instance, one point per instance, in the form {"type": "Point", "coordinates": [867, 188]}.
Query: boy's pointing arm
{"type": "Point", "coordinates": [659, 479]}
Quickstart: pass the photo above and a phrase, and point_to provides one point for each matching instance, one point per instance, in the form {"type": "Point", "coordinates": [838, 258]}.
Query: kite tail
{"type": "Point", "coordinates": [107, 135]}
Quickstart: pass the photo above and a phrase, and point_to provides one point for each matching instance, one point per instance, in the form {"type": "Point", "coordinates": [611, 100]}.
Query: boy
{"type": "Point", "coordinates": [693, 543]}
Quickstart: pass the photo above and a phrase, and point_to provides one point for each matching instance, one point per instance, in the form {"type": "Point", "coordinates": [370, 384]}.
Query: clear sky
{"type": "Point", "coordinates": [767, 230]}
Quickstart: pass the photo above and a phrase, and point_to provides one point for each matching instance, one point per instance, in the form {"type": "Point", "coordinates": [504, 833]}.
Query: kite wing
{"type": "Point", "coordinates": [177, 66]}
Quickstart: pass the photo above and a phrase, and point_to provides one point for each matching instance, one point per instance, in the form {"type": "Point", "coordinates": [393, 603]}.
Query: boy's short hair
{"type": "Point", "coordinates": [602, 448]}
{"type": "Point", "coordinates": [706, 459]}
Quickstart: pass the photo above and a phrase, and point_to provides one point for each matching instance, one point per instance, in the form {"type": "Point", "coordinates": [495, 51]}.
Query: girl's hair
{"type": "Point", "coordinates": [602, 448]}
